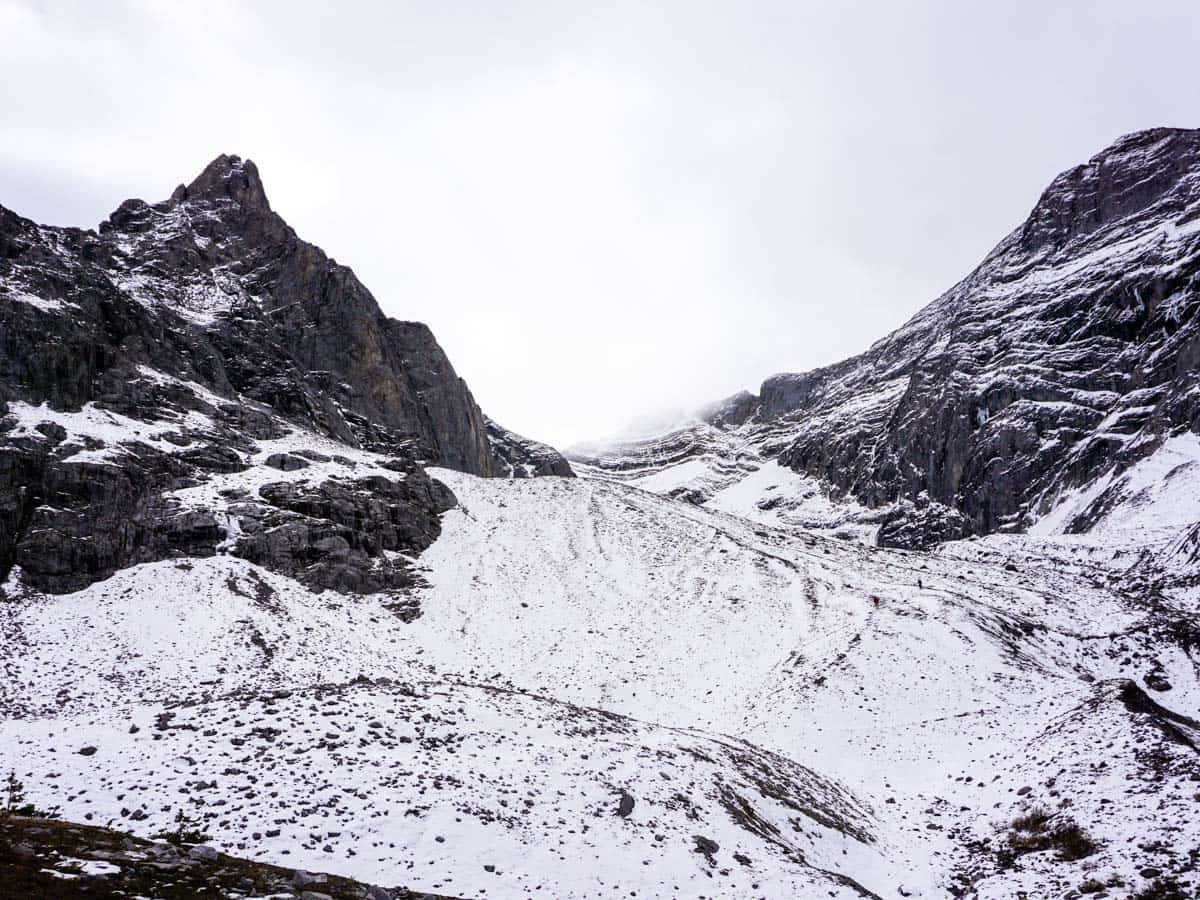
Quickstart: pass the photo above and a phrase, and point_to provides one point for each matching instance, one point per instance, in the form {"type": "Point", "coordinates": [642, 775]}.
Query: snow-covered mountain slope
{"type": "Point", "coordinates": [163, 380]}
{"type": "Point", "coordinates": [1155, 496]}
{"type": "Point", "coordinates": [264, 709]}
{"type": "Point", "coordinates": [466, 789]}
{"type": "Point", "coordinates": [230, 585]}
{"type": "Point", "coordinates": [561, 617]}
{"type": "Point", "coordinates": [1072, 349]}
{"type": "Point", "coordinates": [730, 606]}
{"type": "Point", "coordinates": [613, 596]}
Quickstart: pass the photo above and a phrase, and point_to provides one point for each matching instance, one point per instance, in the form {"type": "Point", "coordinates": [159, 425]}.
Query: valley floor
{"type": "Point", "coordinates": [612, 693]}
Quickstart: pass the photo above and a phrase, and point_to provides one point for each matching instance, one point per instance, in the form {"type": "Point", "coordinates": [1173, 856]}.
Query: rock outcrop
{"type": "Point", "coordinates": [49, 858]}
{"type": "Point", "coordinates": [166, 349]}
{"type": "Point", "coordinates": [520, 457]}
{"type": "Point", "coordinates": [1071, 350]}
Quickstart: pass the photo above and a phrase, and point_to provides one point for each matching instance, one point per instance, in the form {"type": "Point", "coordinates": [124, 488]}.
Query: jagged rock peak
{"type": "Point", "coordinates": [276, 318]}
{"type": "Point", "coordinates": [1151, 168]}
{"type": "Point", "coordinates": [227, 176]}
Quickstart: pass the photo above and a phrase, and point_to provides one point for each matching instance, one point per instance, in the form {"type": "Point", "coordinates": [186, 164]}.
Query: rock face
{"type": "Point", "coordinates": [519, 457]}
{"type": "Point", "coordinates": [160, 353]}
{"type": "Point", "coordinates": [1072, 349]}
{"type": "Point", "coordinates": [731, 412]}
{"type": "Point", "coordinates": [338, 534]}
{"type": "Point", "coordinates": [49, 858]}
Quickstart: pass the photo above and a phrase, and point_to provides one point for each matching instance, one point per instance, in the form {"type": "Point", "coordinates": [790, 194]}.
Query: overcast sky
{"type": "Point", "coordinates": [602, 213]}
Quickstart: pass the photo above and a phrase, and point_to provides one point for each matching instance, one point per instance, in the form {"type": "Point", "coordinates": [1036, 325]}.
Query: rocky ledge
{"type": "Point", "coordinates": [49, 858]}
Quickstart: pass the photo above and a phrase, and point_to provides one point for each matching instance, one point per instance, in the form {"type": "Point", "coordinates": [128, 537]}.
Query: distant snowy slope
{"type": "Point", "coordinates": [262, 708]}
{"type": "Point", "coordinates": [608, 595]}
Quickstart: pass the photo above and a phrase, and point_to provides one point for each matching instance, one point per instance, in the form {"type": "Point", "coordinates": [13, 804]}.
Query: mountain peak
{"type": "Point", "coordinates": [1136, 172]}
{"type": "Point", "coordinates": [227, 177]}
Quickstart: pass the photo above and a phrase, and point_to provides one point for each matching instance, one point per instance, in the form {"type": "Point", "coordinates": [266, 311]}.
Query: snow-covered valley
{"type": "Point", "coordinates": [827, 711]}
{"type": "Point", "coordinates": [922, 623]}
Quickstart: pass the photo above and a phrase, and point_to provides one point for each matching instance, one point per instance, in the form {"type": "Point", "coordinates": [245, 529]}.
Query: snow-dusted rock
{"type": "Point", "coordinates": [231, 587]}
{"type": "Point", "coordinates": [1070, 353]}
{"type": "Point", "coordinates": [171, 347]}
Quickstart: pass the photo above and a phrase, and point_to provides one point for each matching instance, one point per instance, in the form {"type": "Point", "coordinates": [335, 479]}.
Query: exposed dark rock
{"type": "Point", "coordinates": [519, 457]}
{"type": "Point", "coordinates": [313, 456]}
{"type": "Point", "coordinates": [1157, 681]}
{"type": "Point", "coordinates": [40, 858]}
{"type": "Point", "coordinates": [1072, 351]}
{"type": "Point", "coordinates": [67, 524]}
{"type": "Point", "coordinates": [1175, 727]}
{"type": "Point", "coordinates": [625, 804]}
{"type": "Point", "coordinates": [335, 534]}
{"type": "Point", "coordinates": [921, 527]}
{"type": "Point", "coordinates": [214, 459]}
{"type": "Point", "coordinates": [706, 846]}
{"type": "Point", "coordinates": [731, 412]}
{"type": "Point", "coordinates": [190, 329]}
{"type": "Point", "coordinates": [1035, 374]}
{"type": "Point", "coordinates": [285, 462]}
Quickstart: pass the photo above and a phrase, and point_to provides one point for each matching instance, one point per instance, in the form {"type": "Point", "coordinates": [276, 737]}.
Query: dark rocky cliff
{"type": "Point", "coordinates": [205, 318]}
{"type": "Point", "coordinates": [1072, 349]}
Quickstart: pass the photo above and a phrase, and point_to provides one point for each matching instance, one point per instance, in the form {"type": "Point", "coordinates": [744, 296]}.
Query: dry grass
{"type": "Point", "coordinates": [1036, 831]}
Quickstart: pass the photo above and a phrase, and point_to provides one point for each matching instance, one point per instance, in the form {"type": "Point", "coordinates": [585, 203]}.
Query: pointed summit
{"type": "Point", "coordinates": [227, 176]}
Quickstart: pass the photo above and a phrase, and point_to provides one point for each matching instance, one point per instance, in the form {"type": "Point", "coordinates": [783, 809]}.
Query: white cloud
{"type": "Point", "coordinates": [600, 211]}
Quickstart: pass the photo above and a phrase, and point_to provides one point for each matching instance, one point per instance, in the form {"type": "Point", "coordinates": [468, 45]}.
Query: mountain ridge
{"type": "Point", "coordinates": [207, 320]}
{"type": "Point", "coordinates": [259, 577]}
{"type": "Point", "coordinates": [1034, 374]}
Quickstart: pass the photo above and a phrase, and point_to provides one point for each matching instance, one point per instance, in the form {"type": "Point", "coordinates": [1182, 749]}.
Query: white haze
{"type": "Point", "coordinates": [602, 213]}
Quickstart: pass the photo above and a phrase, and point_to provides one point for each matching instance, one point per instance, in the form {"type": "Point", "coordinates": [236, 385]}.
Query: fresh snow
{"type": "Point", "coordinates": [582, 641]}
{"type": "Point", "coordinates": [1150, 500]}
{"type": "Point", "coordinates": [9, 292]}
{"type": "Point", "coordinates": [109, 428]}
